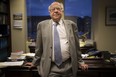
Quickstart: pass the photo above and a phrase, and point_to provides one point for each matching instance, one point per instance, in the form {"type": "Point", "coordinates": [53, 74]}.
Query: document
{"type": "Point", "coordinates": [6, 64]}
{"type": "Point", "coordinates": [29, 54]}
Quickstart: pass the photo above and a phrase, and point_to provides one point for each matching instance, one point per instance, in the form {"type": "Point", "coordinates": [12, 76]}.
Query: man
{"type": "Point", "coordinates": [44, 57]}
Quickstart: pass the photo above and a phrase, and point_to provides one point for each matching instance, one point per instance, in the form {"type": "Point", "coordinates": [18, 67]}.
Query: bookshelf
{"type": "Point", "coordinates": [5, 35]}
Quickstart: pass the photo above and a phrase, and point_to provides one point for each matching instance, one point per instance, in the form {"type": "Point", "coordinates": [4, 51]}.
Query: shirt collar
{"type": "Point", "coordinates": [60, 22]}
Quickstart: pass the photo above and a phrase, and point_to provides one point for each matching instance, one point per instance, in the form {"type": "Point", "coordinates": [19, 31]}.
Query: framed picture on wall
{"type": "Point", "coordinates": [110, 16]}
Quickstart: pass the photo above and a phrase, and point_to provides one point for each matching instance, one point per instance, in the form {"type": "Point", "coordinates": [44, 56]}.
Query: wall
{"type": "Point", "coordinates": [103, 35]}
{"type": "Point", "coordinates": [18, 35]}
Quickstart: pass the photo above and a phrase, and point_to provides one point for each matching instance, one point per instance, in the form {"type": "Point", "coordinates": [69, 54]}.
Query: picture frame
{"type": "Point", "coordinates": [110, 16]}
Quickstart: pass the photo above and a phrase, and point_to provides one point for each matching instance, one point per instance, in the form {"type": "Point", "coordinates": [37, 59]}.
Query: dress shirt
{"type": "Point", "coordinates": [63, 41]}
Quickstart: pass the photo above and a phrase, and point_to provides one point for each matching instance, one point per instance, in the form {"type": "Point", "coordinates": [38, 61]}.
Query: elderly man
{"type": "Point", "coordinates": [57, 52]}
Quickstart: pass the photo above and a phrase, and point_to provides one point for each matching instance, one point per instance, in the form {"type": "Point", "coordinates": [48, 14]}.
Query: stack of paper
{"type": "Point", "coordinates": [17, 55]}
{"type": "Point", "coordinates": [29, 54]}
{"type": "Point", "coordinates": [15, 63]}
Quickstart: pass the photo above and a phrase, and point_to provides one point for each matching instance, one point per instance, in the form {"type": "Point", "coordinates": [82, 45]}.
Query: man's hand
{"type": "Point", "coordinates": [29, 65]}
{"type": "Point", "coordinates": [84, 67]}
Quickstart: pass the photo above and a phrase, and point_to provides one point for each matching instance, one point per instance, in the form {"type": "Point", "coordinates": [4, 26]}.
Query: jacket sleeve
{"type": "Point", "coordinates": [75, 30]}
{"type": "Point", "coordinates": [38, 48]}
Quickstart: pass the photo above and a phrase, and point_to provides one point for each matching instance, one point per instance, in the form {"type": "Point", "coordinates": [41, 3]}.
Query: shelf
{"type": "Point", "coordinates": [5, 33]}
{"type": "Point", "coordinates": [4, 13]}
{"type": "Point", "coordinates": [4, 36]}
{"type": "Point", "coordinates": [3, 48]}
{"type": "Point", "coordinates": [4, 1]}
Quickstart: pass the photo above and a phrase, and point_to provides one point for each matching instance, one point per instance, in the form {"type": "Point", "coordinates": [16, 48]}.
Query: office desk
{"type": "Point", "coordinates": [83, 49]}
{"type": "Point", "coordinates": [97, 68]}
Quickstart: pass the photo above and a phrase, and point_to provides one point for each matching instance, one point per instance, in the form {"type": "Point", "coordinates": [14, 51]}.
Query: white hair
{"type": "Point", "coordinates": [60, 4]}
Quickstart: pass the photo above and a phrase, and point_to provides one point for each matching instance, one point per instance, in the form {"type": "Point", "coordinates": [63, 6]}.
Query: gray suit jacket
{"type": "Point", "coordinates": [44, 46]}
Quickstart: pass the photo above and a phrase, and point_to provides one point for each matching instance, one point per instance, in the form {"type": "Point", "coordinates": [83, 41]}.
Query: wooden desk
{"type": "Point", "coordinates": [97, 68]}
{"type": "Point", "coordinates": [83, 49]}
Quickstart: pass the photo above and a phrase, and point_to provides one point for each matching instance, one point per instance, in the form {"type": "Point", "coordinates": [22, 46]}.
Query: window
{"type": "Point", "coordinates": [37, 10]}
{"type": "Point", "coordinates": [80, 12]}
{"type": "Point", "coordinates": [77, 10]}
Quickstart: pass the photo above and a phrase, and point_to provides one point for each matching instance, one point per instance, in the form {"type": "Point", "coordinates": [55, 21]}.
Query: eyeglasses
{"type": "Point", "coordinates": [56, 8]}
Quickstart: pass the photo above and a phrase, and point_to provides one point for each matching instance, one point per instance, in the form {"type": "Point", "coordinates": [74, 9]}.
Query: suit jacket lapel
{"type": "Point", "coordinates": [68, 28]}
{"type": "Point", "coordinates": [50, 32]}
